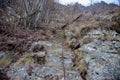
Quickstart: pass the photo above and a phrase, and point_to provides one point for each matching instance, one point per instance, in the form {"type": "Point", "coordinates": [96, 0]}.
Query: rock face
{"type": "Point", "coordinates": [100, 48]}
{"type": "Point", "coordinates": [103, 64]}
{"type": "Point", "coordinates": [49, 66]}
{"type": "Point", "coordinates": [98, 58]}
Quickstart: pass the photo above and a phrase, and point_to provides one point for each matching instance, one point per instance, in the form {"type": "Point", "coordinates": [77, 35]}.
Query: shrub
{"type": "Point", "coordinates": [28, 13]}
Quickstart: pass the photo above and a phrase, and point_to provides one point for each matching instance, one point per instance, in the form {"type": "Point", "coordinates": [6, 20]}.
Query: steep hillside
{"type": "Point", "coordinates": [74, 43]}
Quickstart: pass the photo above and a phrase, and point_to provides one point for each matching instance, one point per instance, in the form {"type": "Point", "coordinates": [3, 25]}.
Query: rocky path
{"type": "Point", "coordinates": [96, 60]}
{"type": "Point", "coordinates": [48, 67]}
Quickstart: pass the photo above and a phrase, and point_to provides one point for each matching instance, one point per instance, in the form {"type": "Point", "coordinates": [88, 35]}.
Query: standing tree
{"type": "Point", "coordinates": [119, 2]}
{"type": "Point", "coordinates": [28, 13]}
{"type": "Point", "coordinates": [91, 2]}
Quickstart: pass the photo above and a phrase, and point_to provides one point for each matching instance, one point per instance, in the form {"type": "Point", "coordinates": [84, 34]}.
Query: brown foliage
{"type": "Point", "coordinates": [79, 63]}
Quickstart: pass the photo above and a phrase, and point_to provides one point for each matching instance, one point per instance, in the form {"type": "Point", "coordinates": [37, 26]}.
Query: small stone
{"type": "Point", "coordinates": [1, 54]}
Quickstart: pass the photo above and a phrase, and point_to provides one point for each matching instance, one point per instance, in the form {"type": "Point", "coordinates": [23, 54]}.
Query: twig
{"type": "Point", "coordinates": [63, 65]}
{"type": "Point", "coordinates": [25, 6]}
{"type": "Point", "coordinates": [67, 24]}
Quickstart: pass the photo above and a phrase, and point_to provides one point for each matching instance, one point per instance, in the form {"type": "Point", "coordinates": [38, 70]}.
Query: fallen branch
{"type": "Point", "coordinates": [67, 24]}
{"type": "Point", "coordinates": [63, 65]}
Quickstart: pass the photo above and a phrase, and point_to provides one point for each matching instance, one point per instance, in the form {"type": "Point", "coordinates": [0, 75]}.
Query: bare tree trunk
{"type": "Point", "coordinates": [27, 13]}
{"type": "Point", "coordinates": [119, 2]}
{"type": "Point", "coordinates": [91, 2]}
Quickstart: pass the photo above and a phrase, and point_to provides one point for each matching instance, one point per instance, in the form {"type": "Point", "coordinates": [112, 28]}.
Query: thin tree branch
{"type": "Point", "coordinates": [63, 64]}
{"type": "Point", "coordinates": [67, 24]}
{"type": "Point", "coordinates": [26, 10]}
